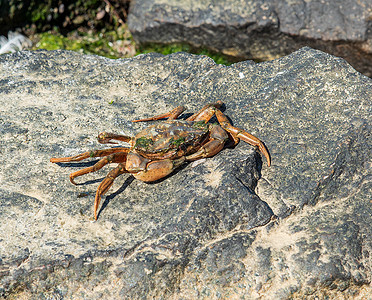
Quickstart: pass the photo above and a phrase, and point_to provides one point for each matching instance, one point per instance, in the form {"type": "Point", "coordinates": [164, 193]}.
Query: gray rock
{"type": "Point", "coordinates": [224, 227]}
{"type": "Point", "coordinates": [257, 29]}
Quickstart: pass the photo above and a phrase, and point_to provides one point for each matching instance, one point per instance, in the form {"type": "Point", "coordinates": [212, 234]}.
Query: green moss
{"type": "Point", "coordinates": [51, 41]}
{"type": "Point", "coordinates": [100, 43]}
{"type": "Point", "coordinates": [174, 48]}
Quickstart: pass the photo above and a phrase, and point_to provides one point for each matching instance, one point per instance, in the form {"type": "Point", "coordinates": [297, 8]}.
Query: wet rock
{"type": "Point", "coordinates": [259, 30]}
{"type": "Point", "coordinates": [226, 226]}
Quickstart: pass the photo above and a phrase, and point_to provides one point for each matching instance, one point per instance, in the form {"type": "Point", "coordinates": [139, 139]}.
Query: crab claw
{"type": "Point", "coordinates": [106, 137]}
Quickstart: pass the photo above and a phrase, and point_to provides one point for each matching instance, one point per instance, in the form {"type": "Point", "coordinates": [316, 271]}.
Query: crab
{"type": "Point", "coordinates": [159, 149]}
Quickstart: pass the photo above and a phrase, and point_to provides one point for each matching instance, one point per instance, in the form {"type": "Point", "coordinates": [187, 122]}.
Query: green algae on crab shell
{"type": "Point", "coordinates": [143, 142]}
{"type": "Point", "coordinates": [177, 142]}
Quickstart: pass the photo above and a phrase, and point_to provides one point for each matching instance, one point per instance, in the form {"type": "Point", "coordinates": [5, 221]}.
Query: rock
{"type": "Point", "coordinates": [223, 227]}
{"type": "Point", "coordinates": [259, 30]}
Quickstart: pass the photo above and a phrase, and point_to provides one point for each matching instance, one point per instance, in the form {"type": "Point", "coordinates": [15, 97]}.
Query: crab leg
{"type": "Point", "coordinates": [120, 157]}
{"type": "Point", "coordinates": [106, 184]}
{"type": "Point", "coordinates": [93, 153]}
{"type": "Point", "coordinates": [206, 113]}
{"type": "Point", "coordinates": [237, 134]}
{"type": "Point", "coordinates": [173, 114]}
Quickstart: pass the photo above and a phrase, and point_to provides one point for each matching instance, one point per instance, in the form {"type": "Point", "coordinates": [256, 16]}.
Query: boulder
{"type": "Point", "coordinates": [223, 227]}
{"type": "Point", "coordinates": [259, 30]}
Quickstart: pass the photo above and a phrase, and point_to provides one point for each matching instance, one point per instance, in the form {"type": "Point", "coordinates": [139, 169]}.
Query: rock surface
{"type": "Point", "coordinates": [224, 227]}
{"type": "Point", "coordinates": [260, 30]}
